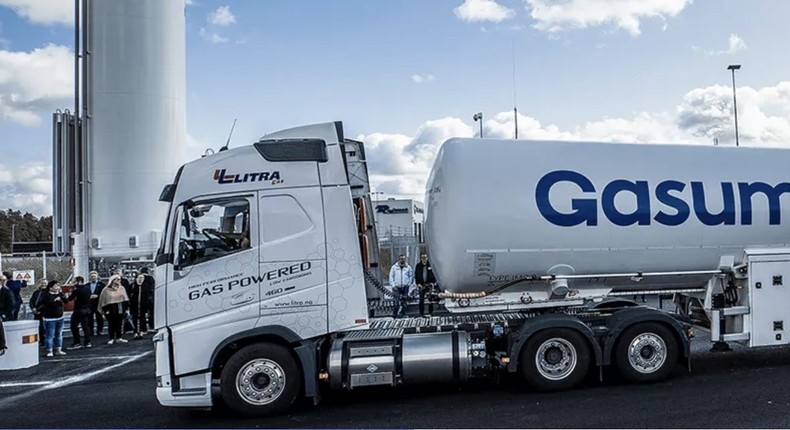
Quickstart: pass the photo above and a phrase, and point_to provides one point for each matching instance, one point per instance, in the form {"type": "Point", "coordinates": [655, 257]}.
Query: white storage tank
{"type": "Point", "coordinates": [137, 126]}
{"type": "Point", "coordinates": [498, 210]}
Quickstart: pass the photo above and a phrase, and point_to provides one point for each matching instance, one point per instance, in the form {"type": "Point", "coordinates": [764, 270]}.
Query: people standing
{"type": "Point", "coordinates": [401, 280]}
{"type": "Point", "coordinates": [139, 306]}
{"type": "Point", "coordinates": [96, 286]}
{"type": "Point", "coordinates": [34, 301]}
{"type": "Point", "coordinates": [6, 300]}
{"type": "Point", "coordinates": [423, 276]}
{"type": "Point", "coordinates": [51, 306]}
{"type": "Point", "coordinates": [16, 288]}
{"type": "Point", "coordinates": [151, 290]}
{"type": "Point", "coordinates": [80, 316]}
{"type": "Point", "coordinates": [114, 303]}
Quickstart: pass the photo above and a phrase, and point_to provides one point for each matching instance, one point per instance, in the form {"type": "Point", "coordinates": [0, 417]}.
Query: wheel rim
{"type": "Point", "coordinates": [556, 359]}
{"type": "Point", "coordinates": [260, 381]}
{"type": "Point", "coordinates": [647, 353]}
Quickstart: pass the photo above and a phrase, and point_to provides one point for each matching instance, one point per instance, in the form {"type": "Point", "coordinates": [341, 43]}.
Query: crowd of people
{"type": "Point", "coordinates": [127, 307]}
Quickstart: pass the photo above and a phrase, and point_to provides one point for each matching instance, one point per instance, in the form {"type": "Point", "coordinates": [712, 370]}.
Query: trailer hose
{"type": "Point", "coordinates": [375, 282]}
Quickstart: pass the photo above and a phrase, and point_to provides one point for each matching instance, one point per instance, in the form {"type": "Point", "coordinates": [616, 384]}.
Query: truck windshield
{"type": "Point", "coordinates": [212, 230]}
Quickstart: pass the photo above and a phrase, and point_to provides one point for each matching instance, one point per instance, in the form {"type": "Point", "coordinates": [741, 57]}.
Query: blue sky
{"type": "Point", "coordinates": [407, 74]}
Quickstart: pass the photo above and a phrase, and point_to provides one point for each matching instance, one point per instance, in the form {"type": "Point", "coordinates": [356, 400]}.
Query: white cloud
{"type": "Point", "coordinates": [212, 36]}
{"type": "Point", "coordinates": [35, 81]}
{"type": "Point", "coordinates": [558, 15]}
{"type": "Point", "coordinates": [222, 16]}
{"type": "Point", "coordinates": [483, 11]}
{"type": "Point", "coordinates": [26, 187]}
{"type": "Point", "coordinates": [43, 11]}
{"type": "Point", "coordinates": [736, 44]}
{"type": "Point", "coordinates": [421, 78]}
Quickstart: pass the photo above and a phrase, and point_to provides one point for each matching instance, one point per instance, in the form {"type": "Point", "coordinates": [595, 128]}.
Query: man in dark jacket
{"type": "Point", "coordinates": [34, 303]}
{"type": "Point", "coordinates": [6, 300]}
{"type": "Point", "coordinates": [423, 277]}
{"type": "Point", "coordinates": [151, 287]}
{"type": "Point", "coordinates": [80, 316]}
{"type": "Point", "coordinates": [95, 286]}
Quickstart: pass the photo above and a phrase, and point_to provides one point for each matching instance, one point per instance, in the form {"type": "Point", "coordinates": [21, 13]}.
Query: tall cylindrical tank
{"type": "Point", "coordinates": [498, 210]}
{"type": "Point", "coordinates": [137, 124]}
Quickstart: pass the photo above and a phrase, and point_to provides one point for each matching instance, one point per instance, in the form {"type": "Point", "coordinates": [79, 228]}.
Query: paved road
{"type": "Point", "coordinates": [730, 390]}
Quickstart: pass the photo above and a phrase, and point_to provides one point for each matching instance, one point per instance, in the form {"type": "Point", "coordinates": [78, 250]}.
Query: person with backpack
{"type": "Point", "coordinates": [51, 306]}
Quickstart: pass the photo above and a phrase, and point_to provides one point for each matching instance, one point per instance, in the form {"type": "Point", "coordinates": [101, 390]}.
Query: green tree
{"type": "Point", "coordinates": [27, 228]}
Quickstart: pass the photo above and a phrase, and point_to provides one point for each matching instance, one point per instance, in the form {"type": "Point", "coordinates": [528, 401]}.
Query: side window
{"type": "Point", "coordinates": [213, 229]}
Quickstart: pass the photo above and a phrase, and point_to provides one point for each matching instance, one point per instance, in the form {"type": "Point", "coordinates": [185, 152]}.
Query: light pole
{"type": "Point", "coordinates": [733, 68]}
{"type": "Point", "coordinates": [479, 117]}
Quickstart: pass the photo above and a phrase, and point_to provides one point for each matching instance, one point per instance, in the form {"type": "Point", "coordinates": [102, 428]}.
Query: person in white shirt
{"type": "Point", "coordinates": [401, 280]}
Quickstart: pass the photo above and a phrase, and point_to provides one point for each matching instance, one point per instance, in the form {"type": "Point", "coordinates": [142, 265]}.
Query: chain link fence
{"type": "Point", "coordinates": [44, 266]}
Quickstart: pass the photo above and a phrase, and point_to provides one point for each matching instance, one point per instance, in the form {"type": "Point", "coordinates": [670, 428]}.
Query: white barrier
{"type": "Point", "coordinates": [22, 339]}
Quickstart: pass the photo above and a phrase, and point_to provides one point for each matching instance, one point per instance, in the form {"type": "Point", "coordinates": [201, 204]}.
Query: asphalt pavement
{"type": "Point", "coordinates": [112, 386]}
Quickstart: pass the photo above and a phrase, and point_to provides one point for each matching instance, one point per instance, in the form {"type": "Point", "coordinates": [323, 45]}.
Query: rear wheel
{"type": "Point", "coordinates": [646, 352]}
{"type": "Point", "coordinates": [555, 359]}
{"type": "Point", "coordinates": [260, 379]}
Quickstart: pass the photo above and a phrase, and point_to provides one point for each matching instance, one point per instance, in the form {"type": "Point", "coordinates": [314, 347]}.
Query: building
{"type": "Point", "coordinates": [399, 218]}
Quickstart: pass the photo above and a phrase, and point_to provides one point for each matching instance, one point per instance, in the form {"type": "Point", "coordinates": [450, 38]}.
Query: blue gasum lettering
{"type": "Point", "coordinates": [672, 205]}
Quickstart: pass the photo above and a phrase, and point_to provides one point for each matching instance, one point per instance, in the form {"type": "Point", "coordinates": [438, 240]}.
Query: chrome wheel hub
{"type": "Point", "coordinates": [260, 381]}
{"type": "Point", "coordinates": [647, 353]}
{"type": "Point", "coordinates": [556, 359]}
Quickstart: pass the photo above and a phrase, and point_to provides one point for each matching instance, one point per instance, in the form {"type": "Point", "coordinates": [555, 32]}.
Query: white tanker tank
{"type": "Point", "coordinates": [500, 210]}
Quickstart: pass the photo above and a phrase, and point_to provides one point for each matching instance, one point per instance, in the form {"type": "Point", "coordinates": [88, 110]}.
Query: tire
{"type": "Point", "coordinates": [273, 380]}
{"type": "Point", "coordinates": [646, 352]}
{"type": "Point", "coordinates": [555, 359]}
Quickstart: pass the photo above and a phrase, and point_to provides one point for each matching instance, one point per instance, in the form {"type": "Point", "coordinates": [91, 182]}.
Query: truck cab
{"type": "Point", "coordinates": [261, 243]}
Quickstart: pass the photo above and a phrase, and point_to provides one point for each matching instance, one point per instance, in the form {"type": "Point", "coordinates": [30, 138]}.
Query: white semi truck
{"type": "Point", "coordinates": [267, 276]}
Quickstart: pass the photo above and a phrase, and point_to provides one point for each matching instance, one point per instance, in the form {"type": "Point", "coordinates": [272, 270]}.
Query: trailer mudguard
{"type": "Point", "coordinates": [549, 321]}
{"type": "Point", "coordinates": [621, 320]}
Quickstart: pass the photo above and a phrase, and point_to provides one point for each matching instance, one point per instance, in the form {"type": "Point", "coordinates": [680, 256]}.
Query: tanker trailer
{"type": "Point", "coordinates": [574, 220]}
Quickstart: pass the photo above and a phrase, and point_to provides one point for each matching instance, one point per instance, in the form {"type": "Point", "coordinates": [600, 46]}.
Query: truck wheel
{"type": "Point", "coordinates": [554, 360]}
{"type": "Point", "coordinates": [646, 352]}
{"type": "Point", "coordinates": [260, 379]}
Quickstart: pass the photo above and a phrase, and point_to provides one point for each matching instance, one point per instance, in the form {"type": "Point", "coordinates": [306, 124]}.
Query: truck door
{"type": "Point", "coordinates": [213, 290]}
{"type": "Point", "coordinates": [293, 260]}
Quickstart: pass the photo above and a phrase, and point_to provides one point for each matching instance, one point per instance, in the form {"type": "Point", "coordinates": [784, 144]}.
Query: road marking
{"type": "Point", "coordinates": [106, 357]}
{"type": "Point", "coordinates": [71, 380]}
{"type": "Point", "coordinates": [23, 384]}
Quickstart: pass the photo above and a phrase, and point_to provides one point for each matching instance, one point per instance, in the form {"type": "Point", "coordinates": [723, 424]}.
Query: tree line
{"type": "Point", "coordinates": [26, 228]}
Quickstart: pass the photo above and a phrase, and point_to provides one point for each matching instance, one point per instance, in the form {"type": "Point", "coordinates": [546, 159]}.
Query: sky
{"type": "Point", "coordinates": [406, 75]}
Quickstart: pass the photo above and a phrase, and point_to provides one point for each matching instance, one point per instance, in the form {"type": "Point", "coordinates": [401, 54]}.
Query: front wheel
{"type": "Point", "coordinates": [646, 352]}
{"type": "Point", "coordinates": [555, 359]}
{"type": "Point", "coordinates": [260, 379]}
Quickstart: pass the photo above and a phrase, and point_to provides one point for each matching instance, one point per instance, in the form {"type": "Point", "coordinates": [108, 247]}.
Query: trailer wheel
{"type": "Point", "coordinates": [646, 352]}
{"type": "Point", "coordinates": [555, 359]}
{"type": "Point", "coordinates": [260, 379]}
